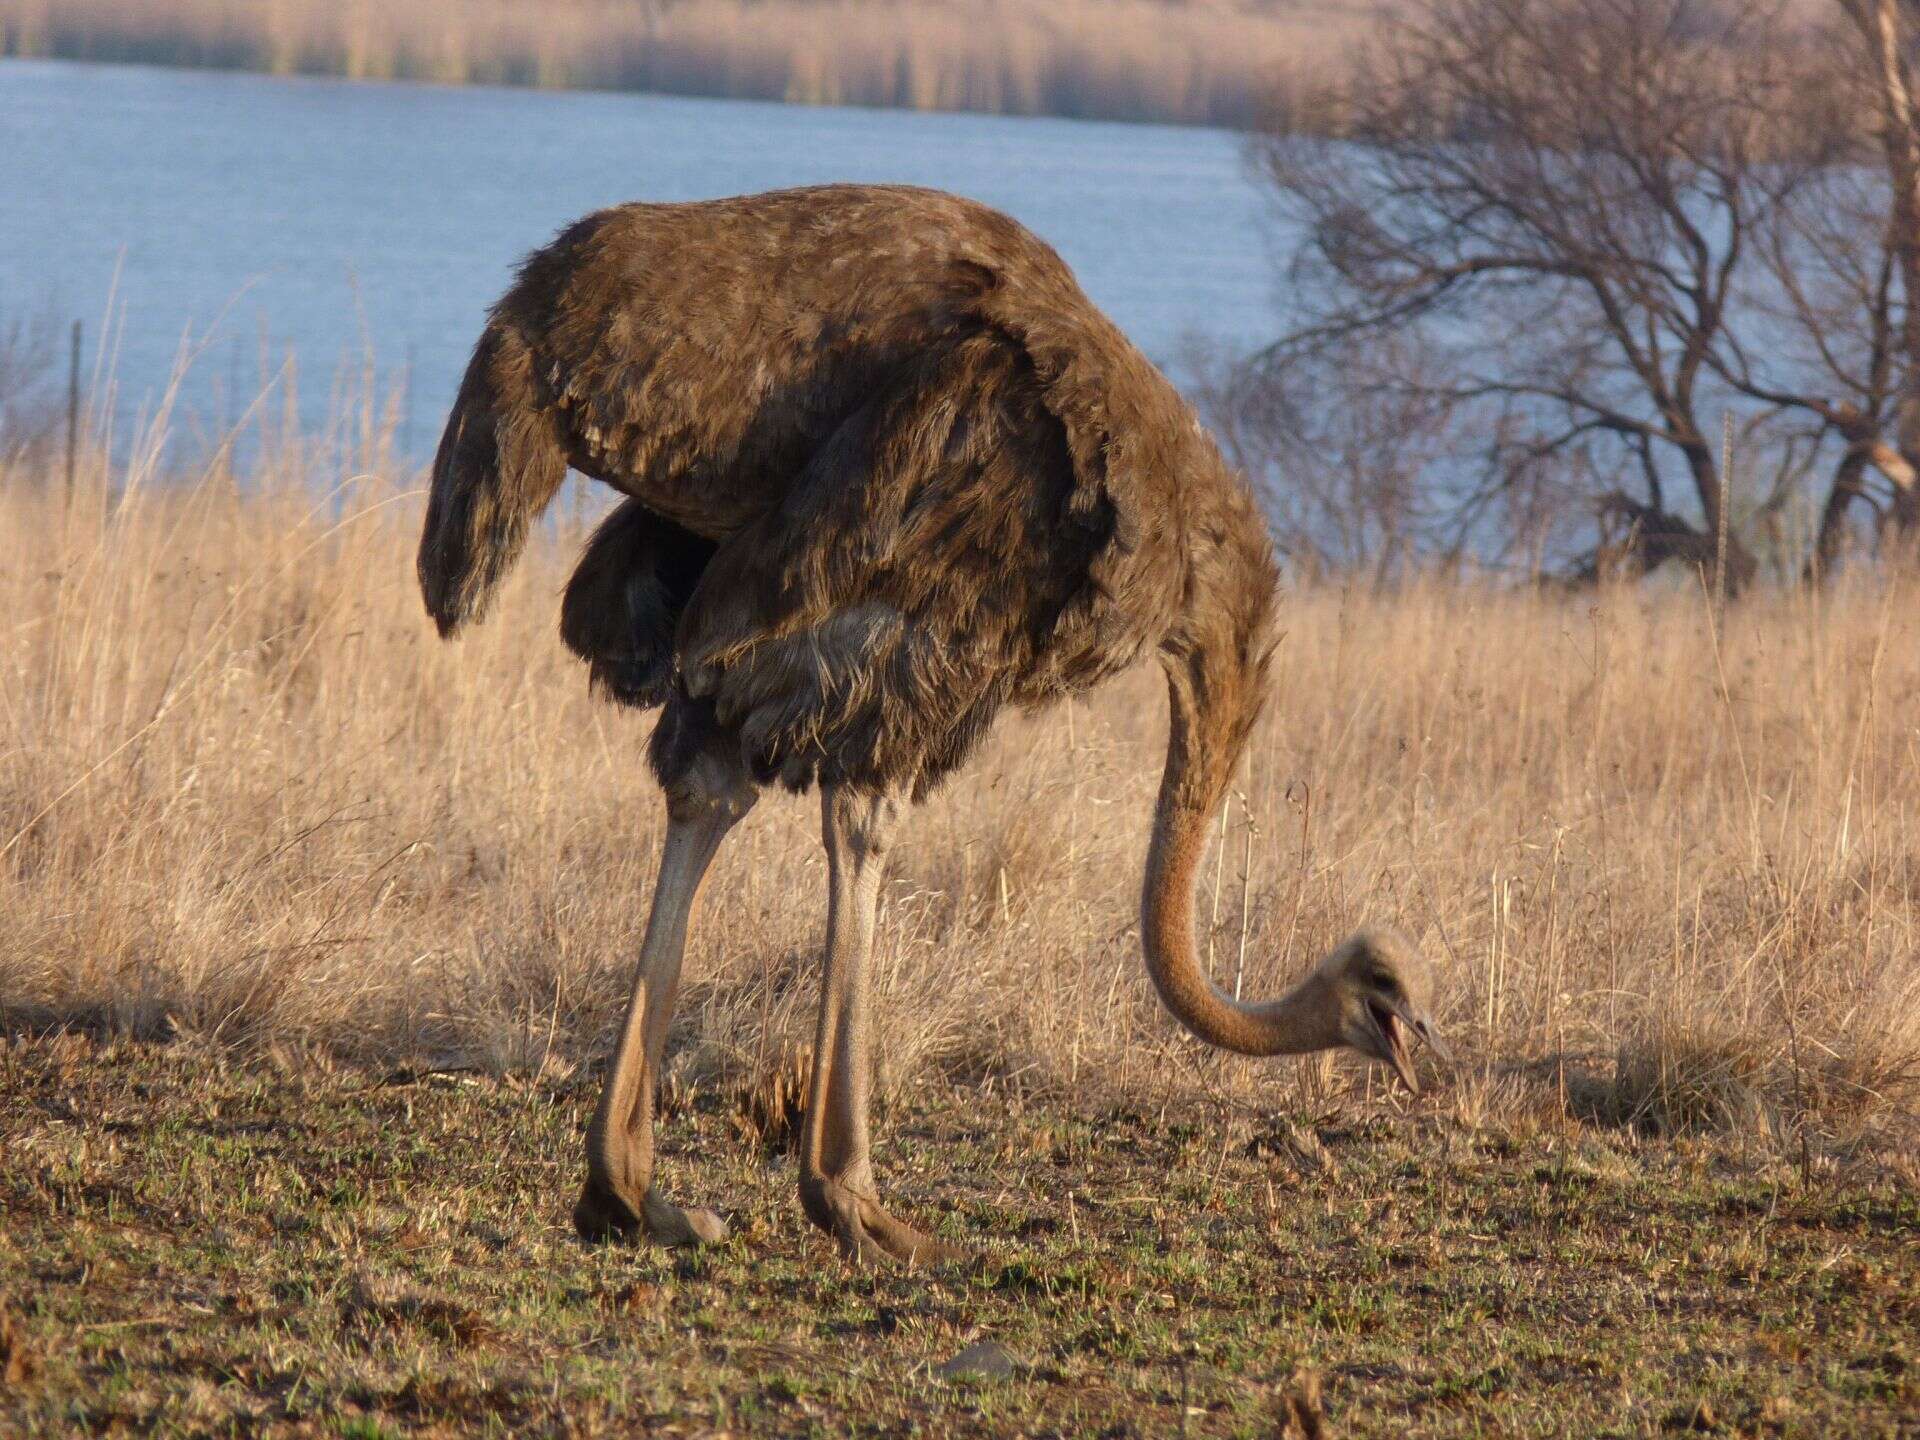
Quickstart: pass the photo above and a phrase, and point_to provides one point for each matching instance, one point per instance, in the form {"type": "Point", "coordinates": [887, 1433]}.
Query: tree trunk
{"type": "Point", "coordinates": [1900, 527]}
{"type": "Point", "coordinates": [1881, 26]}
{"type": "Point", "coordinates": [1847, 487]}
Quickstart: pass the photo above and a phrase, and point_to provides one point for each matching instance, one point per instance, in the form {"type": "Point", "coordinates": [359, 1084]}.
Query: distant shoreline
{"type": "Point", "coordinates": [1114, 60]}
{"type": "Point", "coordinates": [192, 68]}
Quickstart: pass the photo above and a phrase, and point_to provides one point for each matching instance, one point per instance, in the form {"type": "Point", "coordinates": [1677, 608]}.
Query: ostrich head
{"type": "Point", "coordinates": [1381, 989]}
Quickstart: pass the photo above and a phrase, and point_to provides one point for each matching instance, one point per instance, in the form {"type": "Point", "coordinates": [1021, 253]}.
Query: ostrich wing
{"type": "Point", "coordinates": [940, 555]}
{"type": "Point", "coordinates": [698, 355]}
{"type": "Point", "coordinates": [706, 358]}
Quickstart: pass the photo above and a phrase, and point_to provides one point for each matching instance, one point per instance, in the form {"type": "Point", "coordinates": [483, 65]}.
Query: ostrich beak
{"type": "Point", "coordinates": [1396, 1022]}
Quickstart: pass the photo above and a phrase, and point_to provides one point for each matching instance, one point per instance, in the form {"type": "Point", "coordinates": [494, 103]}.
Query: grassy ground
{"type": "Point", "coordinates": [350, 915]}
{"type": "Point", "coordinates": [199, 1247]}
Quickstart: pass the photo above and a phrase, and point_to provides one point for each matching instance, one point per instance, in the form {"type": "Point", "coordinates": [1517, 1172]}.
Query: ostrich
{"type": "Point", "coordinates": [888, 471]}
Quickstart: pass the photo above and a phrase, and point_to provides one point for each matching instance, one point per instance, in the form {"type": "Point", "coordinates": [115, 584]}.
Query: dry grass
{"type": "Point", "coordinates": [1211, 62]}
{"type": "Point", "coordinates": [245, 795]}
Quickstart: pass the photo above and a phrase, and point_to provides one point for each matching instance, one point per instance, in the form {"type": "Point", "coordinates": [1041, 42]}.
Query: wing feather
{"type": "Point", "coordinates": [937, 559]}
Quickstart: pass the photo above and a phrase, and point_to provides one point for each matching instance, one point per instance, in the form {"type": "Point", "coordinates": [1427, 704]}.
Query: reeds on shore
{"type": "Point", "coordinates": [1669, 868]}
{"type": "Point", "coordinates": [1211, 62]}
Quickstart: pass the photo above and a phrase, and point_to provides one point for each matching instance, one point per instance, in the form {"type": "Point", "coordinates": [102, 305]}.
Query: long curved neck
{"type": "Point", "coordinates": [1200, 763]}
{"type": "Point", "coordinates": [1216, 656]}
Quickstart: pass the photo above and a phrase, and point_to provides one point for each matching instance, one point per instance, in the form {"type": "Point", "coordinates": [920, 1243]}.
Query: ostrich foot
{"type": "Point", "coordinates": [866, 1233]}
{"type": "Point", "coordinates": [602, 1213]}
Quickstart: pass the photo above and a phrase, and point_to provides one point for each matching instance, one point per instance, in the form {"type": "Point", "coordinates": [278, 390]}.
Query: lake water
{"type": "Point", "coordinates": [259, 217]}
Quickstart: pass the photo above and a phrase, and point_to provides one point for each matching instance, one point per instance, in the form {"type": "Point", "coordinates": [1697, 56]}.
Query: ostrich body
{"type": "Point", "coordinates": [887, 472]}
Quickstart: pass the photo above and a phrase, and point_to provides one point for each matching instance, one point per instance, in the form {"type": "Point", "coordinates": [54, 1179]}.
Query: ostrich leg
{"type": "Point", "coordinates": [704, 801]}
{"type": "Point", "coordinates": [836, 1169]}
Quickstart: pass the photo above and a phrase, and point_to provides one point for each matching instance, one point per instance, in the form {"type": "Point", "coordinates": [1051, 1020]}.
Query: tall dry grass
{"type": "Point", "coordinates": [1211, 62]}
{"type": "Point", "coordinates": [1669, 875]}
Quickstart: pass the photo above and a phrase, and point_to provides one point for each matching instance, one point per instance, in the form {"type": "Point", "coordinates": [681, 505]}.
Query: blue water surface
{"type": "Point", "coordinates": [258, 218]}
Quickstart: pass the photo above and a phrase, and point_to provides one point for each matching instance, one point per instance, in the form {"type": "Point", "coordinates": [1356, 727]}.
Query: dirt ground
{"type": "Point", "coordinates": [196, 1244]}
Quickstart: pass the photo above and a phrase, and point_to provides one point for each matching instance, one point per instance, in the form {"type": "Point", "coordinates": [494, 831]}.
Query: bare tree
{"type": "Point", "coordinates": [1352, 473]}
{"type": "Point", "coordinates": [1887, 29]}
{"type": "Point", "coordinates": [1818, 341]}
{"type": "Point", "coordinates": [1833, 338]}
{"type": "Point", "coordinates": [1555, 199]}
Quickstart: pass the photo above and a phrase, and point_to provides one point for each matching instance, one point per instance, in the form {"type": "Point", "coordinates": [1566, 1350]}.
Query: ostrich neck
{"type": "Point", "coordinates": [1210, 713]}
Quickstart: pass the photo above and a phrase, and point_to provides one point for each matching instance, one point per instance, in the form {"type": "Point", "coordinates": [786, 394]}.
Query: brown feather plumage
{"type": "Point", "coordinates": [917, 475]}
